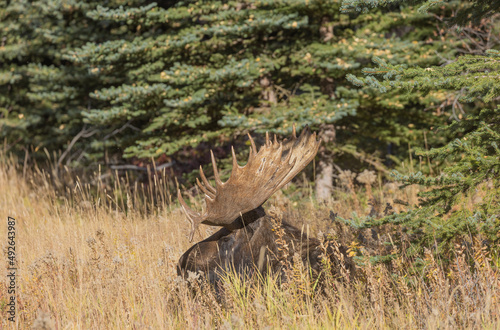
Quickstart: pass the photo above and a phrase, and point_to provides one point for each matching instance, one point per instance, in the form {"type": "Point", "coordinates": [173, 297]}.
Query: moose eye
{"type": "Point", "coordinates": [226, 239]}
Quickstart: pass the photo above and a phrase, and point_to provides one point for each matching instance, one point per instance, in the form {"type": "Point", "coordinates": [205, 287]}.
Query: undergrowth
{"type": "Point", "coordinates": [106, 259]}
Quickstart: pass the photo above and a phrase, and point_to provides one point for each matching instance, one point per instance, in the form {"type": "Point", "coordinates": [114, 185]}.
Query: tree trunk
{"type": "Point", "coordinates": [324, 181]}
{"type": "Point", "coordinates": [324, 184]}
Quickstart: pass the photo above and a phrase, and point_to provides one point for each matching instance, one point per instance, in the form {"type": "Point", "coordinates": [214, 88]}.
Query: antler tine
{"type": "Point", "coordinates": [205, 190]}
{"type": "Point", "coordinates": [305, 131]}
{"type": "Point", "coordinates": [194, 217]}
{"type": "Point", "coordinates": [252, 143]}
{"type": "Point", "coordinates": [205, 181]}
{"type": "Point", "coordinates": [268, 143]}
{"type": "Point", "coordinates": [275, 140]}
{"type": "Point", "coordinates": [235, 163]}
{"type": "Point", "coordinates": [218, 181]}
{"type": "Point", "coordinates": [294, 131]}
{"type": "Point", "coordinates": [190, 214]}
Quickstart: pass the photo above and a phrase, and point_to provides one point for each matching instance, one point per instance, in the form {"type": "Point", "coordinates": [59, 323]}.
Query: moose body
{"type": "Point", "coordinates": [256, 246]}
{"type": "Point", "coordinates": [250, 240]}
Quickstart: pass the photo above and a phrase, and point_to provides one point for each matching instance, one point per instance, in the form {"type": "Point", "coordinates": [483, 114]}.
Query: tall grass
{"type": "Point", "coordinates": [104, 256]}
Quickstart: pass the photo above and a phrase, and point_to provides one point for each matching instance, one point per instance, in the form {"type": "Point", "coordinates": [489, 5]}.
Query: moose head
{"type": "Point", "coordinates": [250, 240]}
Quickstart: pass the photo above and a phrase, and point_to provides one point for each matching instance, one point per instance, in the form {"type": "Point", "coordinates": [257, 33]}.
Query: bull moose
{"type": "Point", "coordinates": [251, 240]}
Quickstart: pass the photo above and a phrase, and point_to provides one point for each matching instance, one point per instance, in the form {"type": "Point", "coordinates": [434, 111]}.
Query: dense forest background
{"type": "Point", "coordinates": [127, 84]}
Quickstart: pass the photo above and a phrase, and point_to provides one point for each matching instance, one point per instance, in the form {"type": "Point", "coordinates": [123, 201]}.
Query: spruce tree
{"type": "Point", "coordinates": [467, 11]}
{"type": "Point", "coordinates": [153, 79]}
{"type": "Point", "coordinates": [462, 203]}
{"type": "Point", "coordinates": [42, 94]}
{"type": "Point", "coordinates": [205, 71]}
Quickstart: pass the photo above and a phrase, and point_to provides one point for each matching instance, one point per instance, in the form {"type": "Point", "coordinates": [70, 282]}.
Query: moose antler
{"type": "Point", "coordinates": [251, 185]}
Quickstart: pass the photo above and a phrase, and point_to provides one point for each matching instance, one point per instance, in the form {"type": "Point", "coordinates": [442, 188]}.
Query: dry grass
{"type": "Point", "coordinates": [86, 263]}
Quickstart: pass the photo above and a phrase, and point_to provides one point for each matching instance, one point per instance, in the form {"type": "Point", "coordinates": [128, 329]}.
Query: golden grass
{"type": "Point", "coordinates": [86, 263]}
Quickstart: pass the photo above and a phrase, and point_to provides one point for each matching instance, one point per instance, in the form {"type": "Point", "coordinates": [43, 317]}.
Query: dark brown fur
{"type": "Point", "coordinates": [253, 246]}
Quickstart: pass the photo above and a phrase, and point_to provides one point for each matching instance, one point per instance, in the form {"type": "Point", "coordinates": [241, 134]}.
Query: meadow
{"type": "Point", "coordinates": [98, 255]}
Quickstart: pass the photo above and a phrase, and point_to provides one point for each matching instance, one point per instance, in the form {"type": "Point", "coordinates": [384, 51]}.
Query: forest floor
{"type": "Point", "coordinates": [97, 261]}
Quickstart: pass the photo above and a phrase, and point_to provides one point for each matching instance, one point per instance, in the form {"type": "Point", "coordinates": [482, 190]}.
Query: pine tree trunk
{"type": "Point", "coordinates": [324, 182]}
